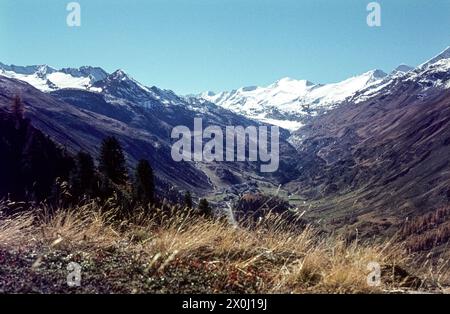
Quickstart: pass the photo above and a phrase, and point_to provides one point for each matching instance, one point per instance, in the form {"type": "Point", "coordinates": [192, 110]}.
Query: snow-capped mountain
{"type": "Point", "coordinates": [433, 73]}
{"type": "Point", "coordinates": [289, 102]}
{"type": "Point", "coordinates": [118, 87]}
{"type": "Point", "coordinates": [47, 78]}
{"type": "Point", "coordinates": [401, 69]}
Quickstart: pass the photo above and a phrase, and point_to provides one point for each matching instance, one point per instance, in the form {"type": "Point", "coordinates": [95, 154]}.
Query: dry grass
{"type": "Point", "coordinates": [15, 229]}
{"type": "Point", "coordinates": [274, 259]}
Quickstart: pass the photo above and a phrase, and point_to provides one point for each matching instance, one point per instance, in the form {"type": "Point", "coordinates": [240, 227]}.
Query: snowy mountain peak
{"type": "Point", "coordinates": [41, 69]}
{"type": "Point", "coordinates": [375, 74]}
{"type": "Point", "coordinates": [402, 68]}
{"type": "Point", "coordinates": [119, 75]}
{"type": "Point", "coordinates": [432, 74]}
{"type": "Point", "coordinates": [94, 73]}
{"type": "Point", "coordinates": [399, 71]}
{"type": "Point", "coordinates": [444, 54]}
{"type": "Point", "coordinates": [441, 56]}
{"type": "Point", "coordinates": [285, 80]}
{"type": "Point", "coordinates": [287, 102]}
{"type": "Point", "coordinates": [47, 78]}
{"type": "Point", "coordinates": [118, 85]}
{"type": "Point", "coordinates": [290, 81]}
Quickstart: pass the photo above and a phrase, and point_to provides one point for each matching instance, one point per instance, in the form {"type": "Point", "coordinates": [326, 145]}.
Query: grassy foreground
{"type": "Point", "coordinates": [180, 253]}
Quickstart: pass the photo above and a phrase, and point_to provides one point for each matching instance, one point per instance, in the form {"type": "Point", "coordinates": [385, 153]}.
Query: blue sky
{"type": "Point", "coordinates": [195, 45]}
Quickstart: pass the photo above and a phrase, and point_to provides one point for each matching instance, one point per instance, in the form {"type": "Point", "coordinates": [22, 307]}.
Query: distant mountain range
{"type": "Point", "coordinates": [289, 103]}
{"type": "Point", "coordinates": [368, 151]}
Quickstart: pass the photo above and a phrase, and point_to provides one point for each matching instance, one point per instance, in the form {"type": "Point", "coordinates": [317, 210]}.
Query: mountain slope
{"type": "Point", "coordinates": [142, 119]}
{"type": "Point", "coordinates": [380, 154]}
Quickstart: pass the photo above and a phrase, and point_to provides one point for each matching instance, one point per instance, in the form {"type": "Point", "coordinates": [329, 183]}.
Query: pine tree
{"type": "Point", "coordinates": [188, 200]}
{"type": "Point", "coordinates": [83, 177]}
{"type": "Point", "coordinates": [17, 111]}
{"type": "Point", "coordinates": [112, 161]}
{"type": "Point", "coordinates": [144, 184]}
{"type": "Point", "coordinates": [17, 108]}
{"type": "Point", "coordinates": [204, 208]}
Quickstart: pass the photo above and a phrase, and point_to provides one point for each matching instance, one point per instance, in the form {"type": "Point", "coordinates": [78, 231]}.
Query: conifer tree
{"type": "Point", "coordinates": [17, 108]}
{"type": "Point", "coordinates": [144, 183]}
{"type": "Point", "coordinates": [204, 208]}
{"type": "Point", "coordinates": [112, 161]}
{"type": "Point", "coordinates": [188, 200]}
{"type": "Point", "coordinates": [17, 111]}
{"type": "Point", "coordinates": [83, 177]}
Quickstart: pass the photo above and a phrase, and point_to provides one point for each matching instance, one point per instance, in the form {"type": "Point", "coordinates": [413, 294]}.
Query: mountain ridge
{"type": "Point", "coordinates": [297, 100]}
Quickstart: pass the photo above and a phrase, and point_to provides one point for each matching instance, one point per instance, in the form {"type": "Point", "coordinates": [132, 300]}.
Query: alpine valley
{"type": "Point", "coordinates": [365, 153]}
